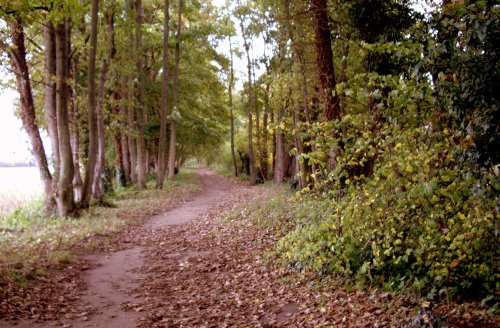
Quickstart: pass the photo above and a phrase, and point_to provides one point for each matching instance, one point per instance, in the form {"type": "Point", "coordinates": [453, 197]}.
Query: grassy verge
{"type": "Point", "coordinates": [31, 241]}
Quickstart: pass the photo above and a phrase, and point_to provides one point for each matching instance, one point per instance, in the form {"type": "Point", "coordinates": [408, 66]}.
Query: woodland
{"type": "Point", "coordinates": [381, 116]}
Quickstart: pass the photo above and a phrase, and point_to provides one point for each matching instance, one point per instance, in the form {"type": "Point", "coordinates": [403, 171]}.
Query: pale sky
{"type": "Point", "coordinates": [13, 139]}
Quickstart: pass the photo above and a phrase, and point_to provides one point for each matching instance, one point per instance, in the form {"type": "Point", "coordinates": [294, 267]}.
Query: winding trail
{"type": "Point", "coordinates": [194, 266]}
{"type": "Point", "coordinates": [113, 284]}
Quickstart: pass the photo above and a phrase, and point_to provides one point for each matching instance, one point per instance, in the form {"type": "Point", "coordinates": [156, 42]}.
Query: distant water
{"type": "Point", "coordinates": [22, 181]}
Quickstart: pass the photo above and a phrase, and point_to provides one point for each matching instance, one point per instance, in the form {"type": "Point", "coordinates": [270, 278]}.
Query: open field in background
{"type": "Point", "coordinates": [18, 186]}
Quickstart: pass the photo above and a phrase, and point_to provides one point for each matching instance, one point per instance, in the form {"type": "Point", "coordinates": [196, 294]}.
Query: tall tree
{"type": "Point", "coordinates": [162, 143]}
{"type": "Point", "coordinates": [231, 109]}
{"type": "Point", "coordinates": [17, 56]}
{"type": "Point", "coordinates": [50, 93]}
{"type": "Point", "coordinates": [141, 93]}
{"type": "Point", "coordinates": [64, 196]}
{"type": "Point", "coordinates": [324, 59]}
{"type": "Point", "coordinates": [174, 114]}
{"type": "Point", "coordinates": [92, 118]}
{"type": "Point", "coordinates": [109, 17]}
{"type": "Point", "coordinates": [251, 104]}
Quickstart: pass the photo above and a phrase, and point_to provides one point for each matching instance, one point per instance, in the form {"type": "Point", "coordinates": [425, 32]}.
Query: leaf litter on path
{"type": "Point", "coordinates": [209, 272]}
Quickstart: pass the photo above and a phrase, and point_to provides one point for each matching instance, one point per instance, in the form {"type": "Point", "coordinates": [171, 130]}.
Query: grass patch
{"type": "Point", "coordinates": [30, 240]}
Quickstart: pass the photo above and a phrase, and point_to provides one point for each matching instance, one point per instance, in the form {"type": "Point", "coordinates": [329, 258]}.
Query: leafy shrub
{"type": "Point", "coordinates": [421, 215]}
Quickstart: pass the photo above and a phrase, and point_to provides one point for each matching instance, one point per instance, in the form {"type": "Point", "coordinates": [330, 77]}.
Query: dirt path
{"type": "Point", "coordinates": [193, 267]}
{"type": "Point", "coordinates": [113, 296]}
{"type": "Point", "coordinates": [113, 291]}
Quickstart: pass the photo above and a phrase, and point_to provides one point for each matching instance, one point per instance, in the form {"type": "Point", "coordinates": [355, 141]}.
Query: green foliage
{"type": "Point", "coordinates": [421, 216]}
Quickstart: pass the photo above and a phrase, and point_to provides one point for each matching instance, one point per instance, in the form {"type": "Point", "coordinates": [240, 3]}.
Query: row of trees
{"type": "Point", "coordinates": [328, 59]}
{"type": "Point", "coordinates": [99, 78]}
{"type": "Point", "coordinates": [388, 119]}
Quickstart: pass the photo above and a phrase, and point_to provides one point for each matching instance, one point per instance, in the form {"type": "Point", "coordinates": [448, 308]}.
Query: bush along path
{"type": "Point", "coordinates": [206, 264]}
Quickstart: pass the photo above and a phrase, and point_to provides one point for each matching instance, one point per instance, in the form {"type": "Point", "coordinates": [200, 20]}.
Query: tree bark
{"type": "Point", "coordinates": [17, 56]}
{"type": "Point", "coordinates": [92, 119]}
{"type": "Point", "coordinates": [140, 113]}
{"type": "Point", "coordinates": [75, 137]}
{"type": "Point", "coordinates": [162, 143]}
{"type": "Point", "coordinates": [101, 133]}
{"type": "Point", "coordinates": [123, 128]}
{"type": "Point", "coordinates": [172, 154]}
{"type": "Point", "coordinates": [131, 136]}
{"type": "Point", "coordinates": [231, 114]}
{"type": "Point", "coordinates": [279, 169]}
{"type": "Point", "coordinates": [265, 119]}
{"type": "Point", "coordinates": [121, 178]}
{"type": "Point", "coordinates": [50, 94]}
{"type": "Point", "coordinates": [299, 146]}
{"type": "Point", "coordinates": [253, 173]}
{"type": "Point", "coordinates": [324, 59]}
{"type": "Point", "coordinates": [64, 197]}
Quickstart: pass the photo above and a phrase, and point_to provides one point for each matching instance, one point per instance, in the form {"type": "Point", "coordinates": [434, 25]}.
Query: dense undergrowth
{"type": "Point", "coordinates": [422, 221]}
{"type": "Point", "coordinates": [30, 241]}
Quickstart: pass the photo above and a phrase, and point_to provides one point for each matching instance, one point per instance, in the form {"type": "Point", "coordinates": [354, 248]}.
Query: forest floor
{"type": "Point", "coordinates": [195, 266]}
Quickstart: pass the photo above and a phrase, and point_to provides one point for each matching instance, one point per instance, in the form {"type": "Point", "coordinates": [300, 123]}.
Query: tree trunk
{"type": "Point", "coordinates": [299, 146]}
{"type": "Point", "coordinates": [231, 114]}
{"type": "Point", "coordinates": [50, 94]}
{"type": "Point", "coordinates": [17, 56]}
{"type": "Point", "coordinates": [64, 197]}
{"type": "Point", "coordinates": [121, 178]}
{"type": "Point", "coordinates": [92, 119]}
{"type": "Point", "coordinates": [253, 173]}
{"type": "Point", "coordinates": [265, 118]}
{"type": "Point", "coordinates": [172, 155]}
{"type": "Point", "coordinates": [141, 146]}
{"type": "Point", "coordinates": [279, 169]}
{"type": "Point", "coordinates": [162, 143]}
{"type": "Point", "coordinates": [324, 59]}
{"type": "Point", "coordinates": [123, 129]}
{"type": "Point", "coordinates": [298, 54]}
{"type": "Point", "coordinates": [131, 138]}
{"type": "Point", "coordinates": [75, 137]}
{"type": "Point", "coordinates": [101, 133]}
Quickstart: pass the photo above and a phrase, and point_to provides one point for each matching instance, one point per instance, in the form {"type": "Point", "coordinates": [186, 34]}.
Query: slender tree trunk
{"type": "Point", "coordinates": [131, 136]}
{"type": "Point", "coordinates": [162, 143]}
{"type": "Point", "coordinates": [231, 114]}
{"type": "Point", "coordinates": [265, 118]}
{"type": "Point", "coordinates": [92, 119]}
{"type": "Point", "coordinates": [298, 54]}
{"type": "Point", "coordinates": [279, 169]}
{"type": "Point", "coordinates": [64, 197]}
{"type": "Point", "coordinates": [140, 113]}
{"type": "Point", "coordinates": [101, 133]}
{"type": "Point", "coordinates": [273, 138]}
{"type": "Point", "coordinates": [172, 154]}
{"type": "Point", "coordinates": [75, 137]}
{"type": "Point", "coordinates": [299, 146]}
{"type": "Point", "coordinates": [123, 128]}
{"type": "Point", "coordinates": [253, 173]}
{"type": "Point", "coordinates": [324, 59]}
{"type": "Point", "coordinates": [17, 56]}
{"type": "Point", "coordinates": [50, 94]}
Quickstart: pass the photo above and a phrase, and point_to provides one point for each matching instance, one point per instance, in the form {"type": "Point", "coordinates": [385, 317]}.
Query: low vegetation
{"type": "Point", "coordinates": [31, 241]}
